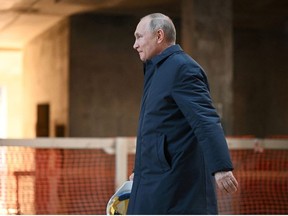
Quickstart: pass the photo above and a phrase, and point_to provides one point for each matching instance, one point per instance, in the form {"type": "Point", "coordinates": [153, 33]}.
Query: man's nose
{"type": "Point", "coordinates": [135, 45]}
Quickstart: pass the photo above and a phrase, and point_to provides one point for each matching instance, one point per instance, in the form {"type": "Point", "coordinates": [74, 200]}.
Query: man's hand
{"type": "Point", "coordinates": [226, 181]}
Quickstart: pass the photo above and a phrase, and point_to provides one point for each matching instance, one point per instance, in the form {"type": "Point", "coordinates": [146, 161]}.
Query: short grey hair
{"type": "Point", "coordinates": [161, 21]}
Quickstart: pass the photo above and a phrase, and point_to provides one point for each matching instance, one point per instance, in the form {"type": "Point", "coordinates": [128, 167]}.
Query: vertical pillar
{"type": "Point", "coordinates": [207, 36]}
{"type": "Point", "coordinates": [121, 161]}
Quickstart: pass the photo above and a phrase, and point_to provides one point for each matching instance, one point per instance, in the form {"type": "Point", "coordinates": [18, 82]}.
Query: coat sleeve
{"type": "Point", "coordinates": [191, 94]}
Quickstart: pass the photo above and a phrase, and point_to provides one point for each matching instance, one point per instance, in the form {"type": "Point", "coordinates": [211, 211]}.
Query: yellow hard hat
{"type": "Point", "coordinates": [118, 203]}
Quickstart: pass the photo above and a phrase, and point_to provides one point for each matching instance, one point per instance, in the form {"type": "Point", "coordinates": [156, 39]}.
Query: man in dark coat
{"type": "Point", "coordinates": [181, 148]}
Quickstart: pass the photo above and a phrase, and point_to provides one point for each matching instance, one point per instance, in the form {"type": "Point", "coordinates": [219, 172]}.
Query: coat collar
{"type": "Point", "coordinates": [166, 53]}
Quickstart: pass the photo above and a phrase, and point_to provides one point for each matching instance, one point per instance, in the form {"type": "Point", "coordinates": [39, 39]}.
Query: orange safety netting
{"type": "Point", "coordinates": [64, 181]}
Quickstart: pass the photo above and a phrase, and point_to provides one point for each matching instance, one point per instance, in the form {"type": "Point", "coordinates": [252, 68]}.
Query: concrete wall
{"type": "Point", "coordinates": [207, 34]}
{"type": "Point", "coordinates": [105, 76]}
{"type": "Point", "coordinates": [101, 74]}
{"type": "Point", "coordinates": [11, 97]}
{"type": "Point", "coordinates": [46, 77]}
{"type": "Point", "coordinates": [261, 82]}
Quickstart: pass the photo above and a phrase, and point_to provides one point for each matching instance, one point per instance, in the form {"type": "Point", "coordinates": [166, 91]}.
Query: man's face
{"type": "Point", "coordinates": [145, 41]}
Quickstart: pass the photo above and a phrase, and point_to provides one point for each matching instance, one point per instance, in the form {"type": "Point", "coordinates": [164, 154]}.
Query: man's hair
{"type": "Point", "coordinates": [161, 21]}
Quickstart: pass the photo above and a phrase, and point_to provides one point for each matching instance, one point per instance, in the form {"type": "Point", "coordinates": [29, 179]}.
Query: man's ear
{"type": "Point", "coordinates": [160, 36]}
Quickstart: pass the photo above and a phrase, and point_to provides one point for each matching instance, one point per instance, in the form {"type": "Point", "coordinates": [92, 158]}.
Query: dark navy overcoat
{"type": "Point", "coordinates": [180, 141]}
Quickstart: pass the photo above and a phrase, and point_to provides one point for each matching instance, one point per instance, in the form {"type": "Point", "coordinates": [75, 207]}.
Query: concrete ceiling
{"type": "Point", "coordinates": [22, 20]}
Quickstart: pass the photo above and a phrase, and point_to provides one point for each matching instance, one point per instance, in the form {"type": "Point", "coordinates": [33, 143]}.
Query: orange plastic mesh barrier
{"type": "Point", "coordinates": [56, 181]}
{"type": "Point", "coordinates": [263, 180]}
{"type": "Point", "coordinates": [81, 181]}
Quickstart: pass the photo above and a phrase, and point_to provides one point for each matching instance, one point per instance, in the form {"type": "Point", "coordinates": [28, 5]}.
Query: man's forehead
{"type": "Point", "coordinates": [141, 27]}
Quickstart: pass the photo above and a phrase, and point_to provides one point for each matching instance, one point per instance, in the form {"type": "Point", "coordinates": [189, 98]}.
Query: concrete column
{"type": "Point", "coordinates": [206, 35]}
